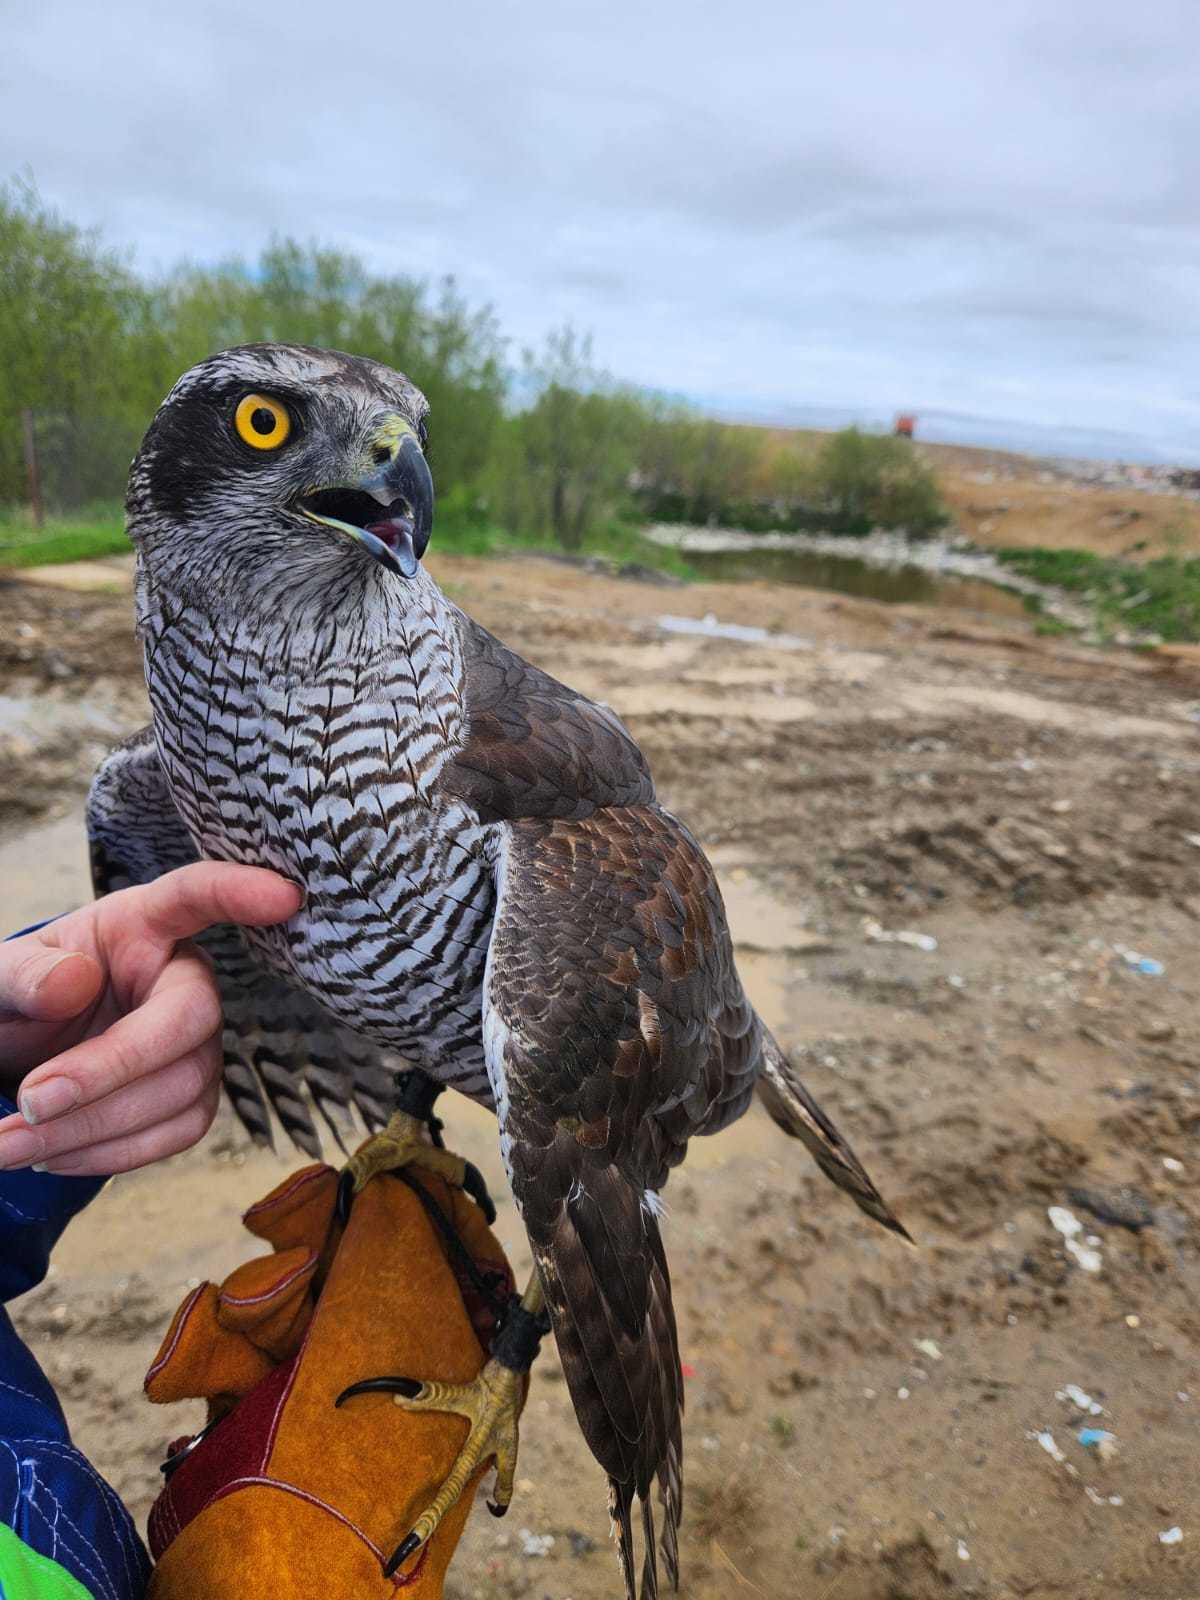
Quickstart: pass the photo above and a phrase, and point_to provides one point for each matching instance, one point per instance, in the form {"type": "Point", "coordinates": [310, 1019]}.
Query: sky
{"type": "Point", "coordinates": [987, 215]}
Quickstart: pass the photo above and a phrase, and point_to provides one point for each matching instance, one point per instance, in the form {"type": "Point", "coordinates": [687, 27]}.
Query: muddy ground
{"type": "Point", "coordinates": [863, 1421]}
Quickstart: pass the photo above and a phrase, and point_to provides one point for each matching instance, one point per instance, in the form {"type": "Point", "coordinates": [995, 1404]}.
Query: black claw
{"type": "Point", "coordinates": [345, 1196]}
{"type": "Point", "coordinates": [410, 1388]}
{"type": "Point", "coordinates": [497, 1511]}
{"type": "Point", "coordinates": [403, 1551]}
{"type": "Point", "coordinates": [478, 1190]}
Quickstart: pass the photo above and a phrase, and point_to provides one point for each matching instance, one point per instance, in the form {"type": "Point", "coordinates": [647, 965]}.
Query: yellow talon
{"type": "Point", "coordinates": [403, 1143]}
{"type": "Point", "coordinates": [492, 1405]}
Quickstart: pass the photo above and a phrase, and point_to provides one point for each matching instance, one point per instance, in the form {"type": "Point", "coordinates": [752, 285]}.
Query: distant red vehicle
{"type": "Point", "coordinates": [905, 427]}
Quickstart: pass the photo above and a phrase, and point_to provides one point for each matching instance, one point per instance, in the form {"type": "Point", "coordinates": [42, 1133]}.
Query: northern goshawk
{"type": "Point", "coordinates": [492, 890]}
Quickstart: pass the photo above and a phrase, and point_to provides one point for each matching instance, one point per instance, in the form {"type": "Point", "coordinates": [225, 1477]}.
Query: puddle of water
{"type": "Point", "coordinates": [903, 585]}
{"type": "Point", "coordinates": [710, 628]}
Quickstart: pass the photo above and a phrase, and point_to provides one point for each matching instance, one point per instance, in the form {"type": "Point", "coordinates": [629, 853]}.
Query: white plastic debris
{"type": "Point", "coordinates": [1087, 1254]}
{"type": "Point", "coordinates": [928, 1347]}
{"type": "Point", "coordinates": [1171, 1536]}
{"type": "Point", "coordinates": [1140, 963]}
{"type": "Point", "coordinates": [1072, 1393]}
{"type": "Point", "coordinates": [963, 1553]}
{"type": "Point", "coordinates": [903, 1393]}
{"type": "Point", "coordinates": [1047, 1441]}
{"type": "Point", "coordinates": [916, 941]}
{"type": "Point", "coordinates": [1171, 1164]}
{"type": "Point", "coordinates": [536, 1544]}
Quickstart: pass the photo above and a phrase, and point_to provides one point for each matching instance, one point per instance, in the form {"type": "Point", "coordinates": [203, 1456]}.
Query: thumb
{"type": "Point", "coordinates": [49, 985]}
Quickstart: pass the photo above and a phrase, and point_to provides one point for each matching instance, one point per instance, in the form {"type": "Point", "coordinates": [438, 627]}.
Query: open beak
{"type": "Point", "coordinates": [388, 512]}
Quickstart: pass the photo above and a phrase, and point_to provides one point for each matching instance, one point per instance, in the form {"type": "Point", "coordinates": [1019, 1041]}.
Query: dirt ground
{"type": "Point", "coordinates": [864, 1422]}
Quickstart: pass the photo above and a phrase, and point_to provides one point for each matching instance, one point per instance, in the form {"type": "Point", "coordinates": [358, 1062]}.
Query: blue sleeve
{"type": "Point", "coordinates": [50, 1494]}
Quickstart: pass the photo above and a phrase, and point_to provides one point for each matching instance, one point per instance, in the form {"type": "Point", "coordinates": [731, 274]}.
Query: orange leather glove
{"type": "Point", "coordinates": [286, 1494]}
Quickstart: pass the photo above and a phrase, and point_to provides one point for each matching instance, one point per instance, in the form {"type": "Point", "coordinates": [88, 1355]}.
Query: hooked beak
{"type": "Point", "coordinates": [390, 511]}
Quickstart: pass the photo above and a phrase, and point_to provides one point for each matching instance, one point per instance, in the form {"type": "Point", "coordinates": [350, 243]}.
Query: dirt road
{"type": "Point", "coordinates": [864, 1422]}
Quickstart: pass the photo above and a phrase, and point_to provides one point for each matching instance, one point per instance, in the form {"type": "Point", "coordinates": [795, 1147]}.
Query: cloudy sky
{"type": "Point", "coordinates": [780, 209]}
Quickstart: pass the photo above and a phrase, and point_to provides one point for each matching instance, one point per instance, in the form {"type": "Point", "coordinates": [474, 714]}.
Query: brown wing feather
{"type": "Point", "coordinates": [617, 1028]}
{"type": "Point", "coordinates": [535, 748]}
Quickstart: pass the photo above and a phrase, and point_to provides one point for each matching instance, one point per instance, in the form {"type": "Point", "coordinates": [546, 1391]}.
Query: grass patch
{"type": "Point", "coordinates": [1158, 597]}
{"type": "Point", "coordinates": [457, 530]}
{"type": "Point", "coordinates": [98, 531]}
{"type": "Point", "coordinates": [461, 529]}
{"type": "Point", "coordinates": [87, 536]}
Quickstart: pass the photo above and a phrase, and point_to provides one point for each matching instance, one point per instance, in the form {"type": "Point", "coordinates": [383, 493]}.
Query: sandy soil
{"type": "Point", "coordinates": [862, 1421]}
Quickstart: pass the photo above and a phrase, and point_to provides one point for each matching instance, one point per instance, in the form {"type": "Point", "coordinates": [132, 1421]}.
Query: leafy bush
{"type": "Point", "coordinates": [698, 471]}
{"type": "Point", "coordinates": [869, 480]}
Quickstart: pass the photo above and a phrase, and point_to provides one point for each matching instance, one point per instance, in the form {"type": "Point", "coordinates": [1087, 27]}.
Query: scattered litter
{"type": "Point", "coordinates": [710, 628]}
{"type": "Point", "coordinates": [1171, 1164]}
{"type": "Point", "coordinates": [687, 1369]}
{"type": "Point", "coordinates": [1068, 1224]}
{"type": "Point", "coordinates": [536, 1544]}
{"type": "Point", "coordinates": [963, 1553]}
{"type": "Point", "coordinates": [1098, 1440]}
{"type": "Point", "coordinates": [1046, 1439]}
{"type": "Point", "coordinates": [1171, 1536]}
{"type": "Point", "coordinates": [917, 941]}
{"type": "Point", "coordinates": [1080, 1398]}
{"type": "Point", "coordinates": [903, 1393]}
{"type": "Point", "coordinates": [1133, 1320]}
{"type": "Point", "coordinates": [928, 1347]}
{"type": "Point", "coordinates": [1140, 963]}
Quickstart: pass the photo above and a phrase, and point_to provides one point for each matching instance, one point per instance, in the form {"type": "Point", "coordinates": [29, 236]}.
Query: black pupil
{"type": "Point", "coordinates": [262, 420]}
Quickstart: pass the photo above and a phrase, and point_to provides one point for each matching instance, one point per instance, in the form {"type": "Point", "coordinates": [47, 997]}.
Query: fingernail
{"type": "Point", "coordinates": [47, 965]}
{"type": "Point", "coordinates": [20, 1149]}
{"type": "Point", "coordinates": [48, 1099]}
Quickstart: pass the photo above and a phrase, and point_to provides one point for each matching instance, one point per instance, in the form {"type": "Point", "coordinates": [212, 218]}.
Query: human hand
{"type": "Point", "coordinates": [110, 1020]}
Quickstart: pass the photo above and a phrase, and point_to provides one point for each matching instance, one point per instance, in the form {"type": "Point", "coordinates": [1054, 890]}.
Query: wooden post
{"type": "Point", "coordinates": [31, 467]}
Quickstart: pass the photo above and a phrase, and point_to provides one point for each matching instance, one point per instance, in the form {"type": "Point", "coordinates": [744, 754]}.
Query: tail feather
{"type": "Point", "coordinates": [794, 1110]}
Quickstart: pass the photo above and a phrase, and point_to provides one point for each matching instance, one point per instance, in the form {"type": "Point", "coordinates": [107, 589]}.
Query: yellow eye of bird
{"type": "Point", "coordinates": [262, 422]}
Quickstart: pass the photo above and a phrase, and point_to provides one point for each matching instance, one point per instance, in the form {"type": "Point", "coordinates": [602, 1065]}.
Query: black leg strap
{"type": "Point", "coordinates": [519, 1336]}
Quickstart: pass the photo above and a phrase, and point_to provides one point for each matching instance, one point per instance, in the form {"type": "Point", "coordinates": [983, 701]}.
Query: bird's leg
{"type": "Point", "coordinates": [412, 1138]}
{"type": "Point", "coordinates": [491, 1403]}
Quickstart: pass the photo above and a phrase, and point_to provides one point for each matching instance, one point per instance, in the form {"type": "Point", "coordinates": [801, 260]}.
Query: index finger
{"type": "Point", "coordinates": [183, 903]}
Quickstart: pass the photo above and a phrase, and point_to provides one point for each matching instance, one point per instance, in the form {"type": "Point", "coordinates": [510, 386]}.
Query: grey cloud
{"type": "Point", "coordinates": [871, 205]}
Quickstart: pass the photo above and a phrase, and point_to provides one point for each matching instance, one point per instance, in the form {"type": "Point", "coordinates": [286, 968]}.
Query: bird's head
{"type": "Point", "coordinates": [278, 455]}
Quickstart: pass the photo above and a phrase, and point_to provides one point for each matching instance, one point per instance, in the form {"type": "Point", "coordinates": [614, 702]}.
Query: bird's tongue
{"type": "Point", "coordinates": [396, 534]}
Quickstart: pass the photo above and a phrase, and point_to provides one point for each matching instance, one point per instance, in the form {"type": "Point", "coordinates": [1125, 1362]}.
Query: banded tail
{"type": "Point", "coordinates": [794, 1110]}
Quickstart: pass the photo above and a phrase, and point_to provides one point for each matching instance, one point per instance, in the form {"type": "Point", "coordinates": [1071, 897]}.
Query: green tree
{"type": "Point", "coordinates": [309, 295]}
{"type": "Point", "coordinates": [700, 467]}
{"type": "Point", "coordinates": [70, 338]}
{"type": "Point", "coordinates": [564, 463]}
{"type": "Point", "coordinates": [867, 480]}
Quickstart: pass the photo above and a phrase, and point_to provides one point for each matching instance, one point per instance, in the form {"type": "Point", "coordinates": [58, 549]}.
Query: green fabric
{"type": "Point", "coordinates": [26, 1575]}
